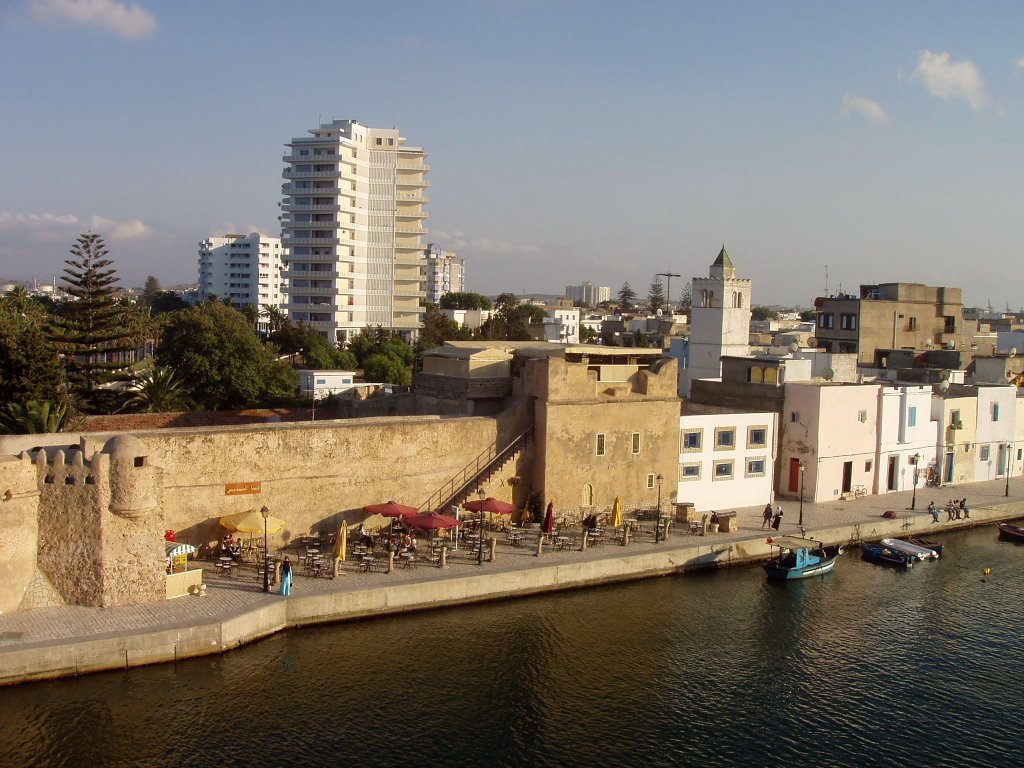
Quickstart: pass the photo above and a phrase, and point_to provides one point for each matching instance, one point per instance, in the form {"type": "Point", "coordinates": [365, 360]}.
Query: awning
{"type": "Point", "coordinates": [176, 549]}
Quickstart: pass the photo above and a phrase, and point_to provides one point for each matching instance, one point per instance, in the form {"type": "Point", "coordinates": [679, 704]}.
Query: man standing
{"type": "Point", "coordinates": [934, 511]}
{"type": "Point", "coordinates": [767, 515]}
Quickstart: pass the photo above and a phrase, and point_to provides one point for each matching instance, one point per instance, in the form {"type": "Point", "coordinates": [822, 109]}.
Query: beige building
{"type": "Point", "coordinates": [890, 316]}
{"type": "Point", "coordinates": [352, 221]}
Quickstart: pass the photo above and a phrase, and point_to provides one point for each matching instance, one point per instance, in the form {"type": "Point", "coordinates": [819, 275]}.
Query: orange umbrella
{"type": "Point", "coordinates": [490, 504]}
{"type": "Point", "coordinates": [391, 509]}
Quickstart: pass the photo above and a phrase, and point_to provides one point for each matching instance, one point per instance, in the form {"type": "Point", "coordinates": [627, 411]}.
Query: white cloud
{"type": "Point", "coordinates": [870, 110]}
{"type": "Point", "coordinates": [126, 19]}
{"type": "Point", "coordinates": [1018, 64]}
{"type": "Point", "coordinates": [460, 242]}
{"type": "Point", "coordinates": [950, 79]}
{"type": "Point", "coordinates": [54, 227]}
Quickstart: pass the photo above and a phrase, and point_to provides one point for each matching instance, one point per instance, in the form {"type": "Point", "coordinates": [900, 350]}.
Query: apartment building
{"type": "Point", "coordinates": [353, 215]}
{"type": "Point", "coordinates": [442, 272]}
{"type": "Point", "coordinates": [588, 294]}
{"type": "Point", "coordinates": [244, 268]}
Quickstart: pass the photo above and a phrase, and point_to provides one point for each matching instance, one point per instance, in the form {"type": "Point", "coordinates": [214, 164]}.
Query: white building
{"type": "Point", "coordinates": [726, 460]}
{"type": "Point", "coordinates": [352, 222]}
{"type": "Point", "coordinates": [907, 437]}
{"type": "Point", "coordinates": [468, 318]}
{"type": "Point", "coordinates": [245, 268]}
{"type": "Point", "coordinates": [562, 325]}
{"type": "Point", "coordinates": [995, 432]}
{"type": "Point", "coordinates": [588, 294]}
{"type": "Point", "coordinates": [320, 384]}
{"type": "Point", "coordinates": [443, 272]}
{"type": "Point", "coordinates": [719, 320]}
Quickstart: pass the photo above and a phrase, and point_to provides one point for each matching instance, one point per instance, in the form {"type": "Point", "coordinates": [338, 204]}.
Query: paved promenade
{"type": "Point", "coordinates": [69, 640]}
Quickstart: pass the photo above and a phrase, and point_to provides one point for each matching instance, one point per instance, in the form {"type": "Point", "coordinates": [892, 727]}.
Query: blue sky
{"type": "Point", "coordinates": [568, 141]}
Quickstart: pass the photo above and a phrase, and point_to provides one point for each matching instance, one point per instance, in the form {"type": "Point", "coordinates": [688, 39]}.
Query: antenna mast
{"type": "Point", "coordinates": [668, 285]}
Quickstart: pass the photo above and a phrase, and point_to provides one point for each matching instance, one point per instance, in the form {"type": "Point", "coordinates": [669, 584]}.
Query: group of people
{"type": "Point", "coordinates": [956, 509]}
{"type": "Point", "coordinates": [231, 547]}
{"type": "Point", "coordinates": [398, 540]}
{"type": "Point", "coordinates": [772, 519]}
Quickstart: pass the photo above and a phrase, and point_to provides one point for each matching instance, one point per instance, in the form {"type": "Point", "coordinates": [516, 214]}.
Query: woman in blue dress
{"type": "Point", "coordinates": [286, 577]}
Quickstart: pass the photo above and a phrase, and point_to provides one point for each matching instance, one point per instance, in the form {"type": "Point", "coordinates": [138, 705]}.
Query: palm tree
{"type": "Point", "coordinates": [34, 417]}
{"type": "Point", "coordinates": [159, 392]}
{"type": "Point", "coordinates": [275, 317]}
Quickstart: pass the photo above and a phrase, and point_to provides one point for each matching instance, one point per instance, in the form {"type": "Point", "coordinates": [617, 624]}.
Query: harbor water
{"type": "Point", "coordinates": [868, 666]}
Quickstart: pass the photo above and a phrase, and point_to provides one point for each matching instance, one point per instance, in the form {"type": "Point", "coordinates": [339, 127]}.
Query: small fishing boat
{"type": "Point", "coordinates": [932, 545]}
{"type": "Point", "coordinates": [909, 548]}
{"type": "Point", "coordinates": [878, 553]}
{"type": "Point", "coordinates": [1012, 532]}
{"type": "Point", "coordinates": [800, 558]}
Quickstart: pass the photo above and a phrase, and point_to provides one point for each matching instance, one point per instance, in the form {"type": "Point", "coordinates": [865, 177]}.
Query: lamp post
{"type": "Point", "coordinates": [657, 520]}
{"type": "Point", "coordinates": [914, 460]}
{"type": "Point", "coordinates": [266, 570]}
{"type": "Point", "coordinates": [480, 545]}
{"type": "Point", "coordinates": [1009, 463]}
{"type": "Point", "coordinates": [803, 468]}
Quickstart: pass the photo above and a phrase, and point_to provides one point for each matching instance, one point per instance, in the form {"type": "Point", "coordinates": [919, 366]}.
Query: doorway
{"type": "Point", "coordinates": [794, 475]}
{"type": "Point", "coordinates": [890, 478]}
{"type": "Point", "coordinates": [947, 475]}
{"type": "Point", "coordinates": [847, 476]}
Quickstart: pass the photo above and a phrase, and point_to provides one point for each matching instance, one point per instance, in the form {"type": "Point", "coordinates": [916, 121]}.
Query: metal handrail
{"type": "Point", "coordinates": [472, 472]}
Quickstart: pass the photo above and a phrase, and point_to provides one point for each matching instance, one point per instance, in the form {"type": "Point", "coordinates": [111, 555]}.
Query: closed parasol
{"type": "Point", "coordinates": [616, 513]}
{"type": "Point", "coordinates": [251, 522]}
{"type": "Point", "coordinates": [391, 509]}
{"type": "Point", "coordinates": [549, 518]}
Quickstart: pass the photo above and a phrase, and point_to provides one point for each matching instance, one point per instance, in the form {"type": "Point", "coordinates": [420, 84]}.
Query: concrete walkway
{"type": "Point", "coordinates": [70, 640]}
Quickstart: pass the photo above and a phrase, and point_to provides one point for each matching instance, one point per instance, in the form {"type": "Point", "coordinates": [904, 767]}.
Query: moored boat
{"type": "Point", "coordinates": [800, 558]}
{"type": "Point", "coordinates": [909, 548]}
{"type": "Point", "coordinates": [932, 545]}
{"type": "Point", "coordinates": [878, 553]}
{"type": "Point", "coordinates": [1012, 532]}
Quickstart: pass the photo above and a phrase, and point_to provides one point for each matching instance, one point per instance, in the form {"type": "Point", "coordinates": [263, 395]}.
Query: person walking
{"type": "Point", "coordinates": [777, 520]}
{"type": "Point", "coordinates": [934, 511]}
{"type": "Point", "coordinates": [286, 577]}
{"type": "Point", "coordinates": [767, 515]}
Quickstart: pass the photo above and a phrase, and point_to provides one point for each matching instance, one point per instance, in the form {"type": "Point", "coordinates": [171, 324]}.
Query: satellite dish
{"type": "Point", "coordinates": [928, 344]}
{"type": "Point", "coordinates": [943, 387]}
{"type": "Point", "coordinates": [828, 374]}
{"type": "Point", "coordinates": [794, 347]}
{"type": "Point", "coordinates": [811, 341]}
{"type": "Point", "coordinates": [943, 375]}
{"type": "Point", "coordinates": [1013, 351]}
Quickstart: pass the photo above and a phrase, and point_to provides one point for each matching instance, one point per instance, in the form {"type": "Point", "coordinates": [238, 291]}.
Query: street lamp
{"type": "Point", "coordinates": [914, 460]}
{"type": "Point", "coordinates": [1009, 463]}
{"type": "Point", "coordinates": [803, 468]}
{"type": "Point", "coordinates": [266, 570]}
{"type": "Point", "coordinates": [480, 545]}
{"type": "Point", "coordinates": [657, 520]}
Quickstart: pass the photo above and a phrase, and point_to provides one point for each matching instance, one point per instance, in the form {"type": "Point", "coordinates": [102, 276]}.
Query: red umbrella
{"type": "Point", "coordinates": [490, 504]}
{"type": "Point", "coordinates": [549, 518]}
{"type": "Point", "coordinates": [391, 509]}
{"type": "Point", "coordinates": [430, 521]}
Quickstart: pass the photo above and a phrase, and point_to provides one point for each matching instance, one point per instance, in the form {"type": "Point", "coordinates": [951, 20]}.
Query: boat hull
{"type": "Point", "coordinates": [909, 548]}
{"type": "Point", "coordinates": [1011, 532]}
{"type": "Point", "coordinates": [777, 570]}
{"type": "Point", "coordinates": [881, 555]}
{"type": "Point", "coordinates": [934, 546]}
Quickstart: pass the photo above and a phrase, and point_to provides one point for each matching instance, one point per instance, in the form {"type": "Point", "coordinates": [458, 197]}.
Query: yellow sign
{"type": "Point", "coordinates": [240, 489]}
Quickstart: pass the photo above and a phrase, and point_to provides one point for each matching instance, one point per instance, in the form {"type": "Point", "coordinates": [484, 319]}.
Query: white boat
{"type": "Point", "coordinates": [921, 553]}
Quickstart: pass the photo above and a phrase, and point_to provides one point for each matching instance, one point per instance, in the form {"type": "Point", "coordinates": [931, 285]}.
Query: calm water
{"type": "Point", "coordinates": [868, 667]}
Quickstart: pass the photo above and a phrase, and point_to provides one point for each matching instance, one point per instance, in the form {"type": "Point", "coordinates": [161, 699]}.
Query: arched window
{"type": "Point", "coordinates": [755, 374]}
{"type": "Point", "coordinates": [588, 495]}
{"type": "Point", "coordinates": [737, 299]}
{"type": "Point", "coordinates": [771, 375]}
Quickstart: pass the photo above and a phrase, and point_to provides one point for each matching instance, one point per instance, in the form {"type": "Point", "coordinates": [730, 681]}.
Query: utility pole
{"type": "Point", "coordinates": [668, 285]}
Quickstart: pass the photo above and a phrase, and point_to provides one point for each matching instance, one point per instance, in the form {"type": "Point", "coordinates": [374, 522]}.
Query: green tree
{"type": "Point", "coordinates": [224, 363]}
{"type": "Point", "coordinates": [93, 340]}
{"type": "Point", "coordinates": [30, 368]}
{"type": "Point", "coordinates": [808, 316]}
{"type": "Point", "coordinates": [589, 335]}
{"type": "Point", "coordinates": [167, 301]}
{"type": "Point", "coordinates": [686, 300]}
{"type": "Point", "coordinates": [276, 318]}
{"type": "Point", "coordinates": [437, 329]}
{"type": "Point", "coordinates": [159, 391]}
{"type": "Point", "coordinates": [380, 367]}
{"type": "Point", "coordinates": [763, 313]}
{"type": "Point", "coordinates": [464, 300]}
{"type": "Point", "coordinates": [656, 295]}
{"type": "Point", "coordinates": [32, 418]}
{"type": "Point", "coordinates": [150, 291]}
{"type": "Point", "coordinates": [627, 296]}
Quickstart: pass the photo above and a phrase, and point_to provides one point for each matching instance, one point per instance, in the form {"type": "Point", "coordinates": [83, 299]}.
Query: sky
{"type": "Point", "coordinates": [568, 140]}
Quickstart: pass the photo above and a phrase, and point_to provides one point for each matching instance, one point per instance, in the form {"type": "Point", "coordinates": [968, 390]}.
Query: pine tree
{"type": "Point", "coordinates": [686, 301]}
{"type": "Point", "coordinates": [91, 334]}
{"type": "Point", "coordinates": [656, 295]}
{"type": "Point", "coordinates": [627, 296]}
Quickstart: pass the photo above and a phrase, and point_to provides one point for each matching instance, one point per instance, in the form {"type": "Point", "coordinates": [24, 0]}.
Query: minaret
{"type": "Point", "coordinates": [719, 320]}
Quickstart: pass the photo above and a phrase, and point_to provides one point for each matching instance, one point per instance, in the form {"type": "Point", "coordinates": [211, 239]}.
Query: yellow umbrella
{"type": "Point", "coordinates": [341, 543]}
{"type": "Point", "coordinates": [251, 522]}
{"type": "Point", "coordinates": [616, 513]}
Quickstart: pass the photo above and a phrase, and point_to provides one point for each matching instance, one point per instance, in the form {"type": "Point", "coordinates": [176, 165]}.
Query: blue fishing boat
{"type": "Point", "coordinates": [877, 553]}
{"type": "Point", "coordinates": [800, 558]}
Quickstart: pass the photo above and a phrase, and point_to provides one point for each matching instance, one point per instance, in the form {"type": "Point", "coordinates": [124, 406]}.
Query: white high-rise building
{"type": "Point", "coordinates": [352, 221]}
{"type": "Point", "coordinates": [245, 268]}
{"type": "Point", "coordinates": [588, 294]}
{"type": "Point", "coordinates": [443, 272]}
{"type": "Point", "coordinates": [719, 320]}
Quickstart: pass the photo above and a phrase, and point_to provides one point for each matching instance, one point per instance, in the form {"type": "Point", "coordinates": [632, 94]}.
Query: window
{"type": "Point", "coordinates": [825, 320]}
{"type": "Point", "coordinates": [692, 440]}
{"type": "Point", "coordinates": [794, 416]}
{"type": "Point", "coordinates": [588, 495]}
{"type": "Point", "coordinates": [949, 324]}
{"type": "Point", "coordinates": [912, 324]}
{"type": "Point", "coordinates": [862, 417]}
{"type": "Point", "coordinates": [848, 322]}
{"type": "Point", "coordinates": [755, 467]}
{"type": "Point", "coordinates": [912, 416]}
{"type": "Point", "coordinates": [689, 472]}
{"type": "Point", "coordinates": [725, 437]}
{"type": "Point", "coordinates": [983, 454]}
{"type": "Point", "coordinates": [723, 470]}
{"type": "Point", "coordinates": [757, 436]}
{"type": "Point", "coordinates": [995, 411]}
{"type": "Point", "coordinates": [600, 443]}
{"type": "Point", "coordinates": [867, 465]}
{"type": "Point", "coordinates": [954, 419]}
{"type": "Point", "coordinates": [650, 480]}
{"type": "Point", "coordinates": [634, 446]}
{"type": "Point", "coordinates": [380, 142]}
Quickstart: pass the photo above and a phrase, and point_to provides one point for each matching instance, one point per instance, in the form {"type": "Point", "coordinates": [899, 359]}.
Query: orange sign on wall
{"type": "Point", "coordinates": [240, 489]}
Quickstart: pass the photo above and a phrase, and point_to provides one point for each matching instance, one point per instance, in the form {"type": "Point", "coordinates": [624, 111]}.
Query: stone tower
{"type": "Point", "coordinates": [719, 320]}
